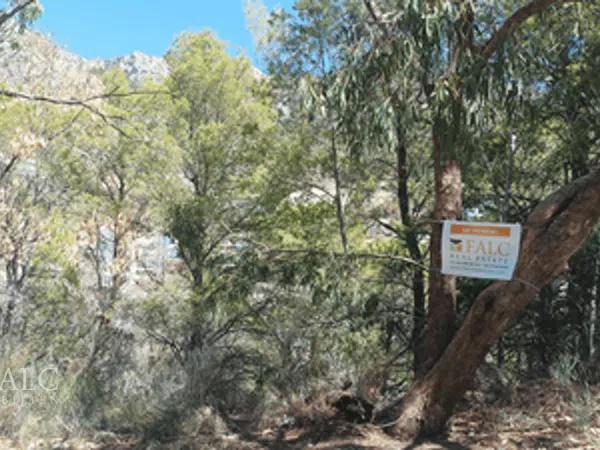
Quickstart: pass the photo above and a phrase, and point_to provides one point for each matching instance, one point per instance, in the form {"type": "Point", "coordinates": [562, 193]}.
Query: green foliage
{"type": "Point", "coordinates": [284, 244]}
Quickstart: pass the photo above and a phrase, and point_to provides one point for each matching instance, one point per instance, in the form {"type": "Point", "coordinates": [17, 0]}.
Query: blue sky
{"type": "Point", "coordinates": [109, 28]}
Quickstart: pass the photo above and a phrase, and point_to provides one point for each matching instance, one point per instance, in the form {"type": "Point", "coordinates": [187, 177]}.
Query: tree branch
{"type": "Point", "coordinates": [514, 21]}
{"type": "Point", "coordinates": [84, 104]}
{"type": "Point", "coordinates": [109, 120]}
{"type": "Point", "coordinates": [6, 16]}
{"type": "Point", "coordinates": [354, 255]}
{"type": "Point", "coordinates": [4, 172]}
{"type": "Point", "coordinates": [376, 15]}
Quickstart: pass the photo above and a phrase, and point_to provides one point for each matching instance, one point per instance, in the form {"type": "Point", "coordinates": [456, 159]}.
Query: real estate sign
{"type": "Point", "coordinates": [480, 250]}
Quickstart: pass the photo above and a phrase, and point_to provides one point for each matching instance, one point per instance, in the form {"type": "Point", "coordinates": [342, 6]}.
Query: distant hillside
{"type": "Point", "coordinates": [37, 64]}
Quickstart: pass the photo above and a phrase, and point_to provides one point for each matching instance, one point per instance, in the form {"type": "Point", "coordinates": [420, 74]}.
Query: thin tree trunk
{"type": "Point", "coordinates": [114, 288]}
{"type": "Point", "coordinates": [512, 149]}
{"type": "Point", "coordinates": [339, 206]}
{"type": "Point", "coordinates": [539, 359]}
{"type": "Point", "coordinates": [441, 314]}
{"type": "Point", "coordinates": [412, 243]}
{"type": "Point", "coordinates": [592, 319]}
{"type": "Point", "coordinates": [580, 294]}
{"type": "Point", "coordinates": [555, 230]}
{"type": "Point", "coordinates": [596, 319]}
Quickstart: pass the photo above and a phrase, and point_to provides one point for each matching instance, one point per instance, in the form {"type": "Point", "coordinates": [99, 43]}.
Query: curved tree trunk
{"type": "Point", "coordinates": [555, 230]}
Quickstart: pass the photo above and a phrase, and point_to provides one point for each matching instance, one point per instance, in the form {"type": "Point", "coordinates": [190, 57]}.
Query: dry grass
{"type": "Point", "coordinates": [543, 415]}
{"type": "Point", "coordinates": [316, 411]}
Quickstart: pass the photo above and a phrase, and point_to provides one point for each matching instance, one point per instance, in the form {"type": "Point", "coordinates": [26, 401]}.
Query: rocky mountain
{"type": "Point", "coordinates": [137, 66]}
{"type": "Point", "coordinates": [32, 62]}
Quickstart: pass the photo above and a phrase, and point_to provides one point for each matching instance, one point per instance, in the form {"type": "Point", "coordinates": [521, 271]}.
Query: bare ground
{"type": "Point", "coordinates": [544, 415]}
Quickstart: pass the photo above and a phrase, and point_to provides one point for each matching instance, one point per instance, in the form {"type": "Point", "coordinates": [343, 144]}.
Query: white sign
{"type": "Point", "coordinates": [480, 250]}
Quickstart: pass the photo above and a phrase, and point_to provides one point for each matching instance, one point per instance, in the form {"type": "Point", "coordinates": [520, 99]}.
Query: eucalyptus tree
{"type": "Point", "coordinates": [543, 136]}
{"type": "Point", "coordinates": [570, 116]}
{"type": "Point", "coordinates": [433, 396]}
{"type": "Point", "coordinates": [452, 62]}
{"type": "Point", "coordinates": [564, 120]}
{"type": "Point", "coordinates": [308, 76]}
{"type": "Point", "coordinates": [310, 49]}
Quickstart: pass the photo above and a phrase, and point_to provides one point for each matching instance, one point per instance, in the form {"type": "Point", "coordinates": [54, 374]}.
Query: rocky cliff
{"type": "Point", "coordinates": [32, 62]}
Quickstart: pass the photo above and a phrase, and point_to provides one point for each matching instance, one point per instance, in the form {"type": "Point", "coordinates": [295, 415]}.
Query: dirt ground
{"type": "Point", "coordinates": [536, 416]}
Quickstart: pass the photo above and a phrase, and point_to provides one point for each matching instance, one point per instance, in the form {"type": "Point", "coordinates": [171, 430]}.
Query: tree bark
{"type": "Point", "coordinates": [441, 313]}
{"type": "Point", "coordinates": [555, 230]}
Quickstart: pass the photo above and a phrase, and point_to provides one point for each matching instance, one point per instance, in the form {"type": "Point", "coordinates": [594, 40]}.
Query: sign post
{"type": "Point", "coordinates": [480, 250]}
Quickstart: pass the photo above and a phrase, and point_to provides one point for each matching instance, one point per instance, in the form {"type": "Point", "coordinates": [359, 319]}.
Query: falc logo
{"type": "Point", "coordinates": [480, 247]}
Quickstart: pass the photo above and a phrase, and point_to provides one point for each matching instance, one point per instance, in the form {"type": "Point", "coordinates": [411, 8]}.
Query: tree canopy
{"type": "Point", "coordinates": [247, 241]}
